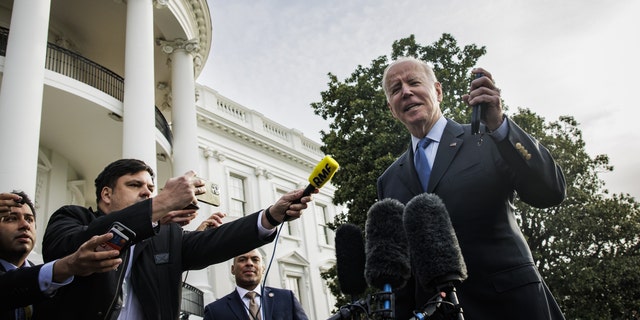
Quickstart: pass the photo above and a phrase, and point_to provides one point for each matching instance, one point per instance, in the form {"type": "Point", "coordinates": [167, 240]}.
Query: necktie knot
{"type": "Point", "coordinates": [424, 142]}
{"type": "Point", "coordinates": [422, 163]}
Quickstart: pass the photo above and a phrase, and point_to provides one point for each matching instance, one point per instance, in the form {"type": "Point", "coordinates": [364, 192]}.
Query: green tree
{"type": "Point", "coordinates": [587, 248]}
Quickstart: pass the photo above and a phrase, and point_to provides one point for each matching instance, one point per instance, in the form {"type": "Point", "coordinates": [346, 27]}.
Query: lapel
{"type": "Point", "coordinates": [268, 299]}
{"type": "Point", "coordinates": [236, 305]}
{"type": "Point", "coordinates": [450, 144]}
{"type": "Point", "coordinates": [408, 171]}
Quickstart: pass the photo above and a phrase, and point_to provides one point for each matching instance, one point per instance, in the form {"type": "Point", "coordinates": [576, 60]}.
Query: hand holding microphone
{"type": "Point", "coordinates": [322, 173]}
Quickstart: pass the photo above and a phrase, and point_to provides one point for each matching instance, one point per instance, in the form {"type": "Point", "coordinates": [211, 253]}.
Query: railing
{"type": "Point", "coordinates": [77, 67]}
{"type": "Point", "coordinates": [248, 118]}
{"type": "Point", "coordinates": [192, 301]}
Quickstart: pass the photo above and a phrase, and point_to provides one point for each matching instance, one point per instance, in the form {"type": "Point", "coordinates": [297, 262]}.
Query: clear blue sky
{"type": "Point", "coordinates": [570, 57]}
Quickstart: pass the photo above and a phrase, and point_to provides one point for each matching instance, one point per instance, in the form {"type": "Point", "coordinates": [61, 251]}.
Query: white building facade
{"type": "Point", "coordinates": [87, 82]}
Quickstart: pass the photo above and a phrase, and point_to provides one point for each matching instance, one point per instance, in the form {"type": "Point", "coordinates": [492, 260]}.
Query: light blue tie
{"type": "Point", "coordinates": [422, 163]}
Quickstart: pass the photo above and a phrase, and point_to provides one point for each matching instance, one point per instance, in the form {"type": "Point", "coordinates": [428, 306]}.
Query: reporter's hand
{"type": "Point", "coordinates": [214, 221]}
{"type": "Point", "coordinates": [8, 200]}
{"type": "Point", "coordinates": [289, 206]}
{"type": "Point", "coordinates": [177, 194]}
{"type": "Point", "coordinates": [181, 217]}
{"type": "Point", "coordinates": [87, 260]}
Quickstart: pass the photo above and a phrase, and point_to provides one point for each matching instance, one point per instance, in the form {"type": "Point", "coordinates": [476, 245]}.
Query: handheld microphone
{"type": "Point", "coordinates": [322, 173]}
{"type": "Point", "coordinates": [476, 113]}
{"type": "Point", "coordinates": [433, 246]}
{"type": "Point", "coordinates": [387, 263]}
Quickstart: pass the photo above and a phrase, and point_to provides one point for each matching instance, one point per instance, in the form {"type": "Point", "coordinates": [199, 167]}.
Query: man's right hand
{"type": "Point", "coordinates": [177, 194]}
{"type": "Point", "coordinates": [86, 260]}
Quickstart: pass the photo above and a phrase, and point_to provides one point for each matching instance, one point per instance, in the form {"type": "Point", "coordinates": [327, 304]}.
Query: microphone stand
{"type": "Point", "coordinates": [352, 310]}
{"type": "Point", "coordinates": [382, 305]}
{"type": "Point", "coordinates": [445, 302]}
{"type": "Point", "coordinates": [449, 290]}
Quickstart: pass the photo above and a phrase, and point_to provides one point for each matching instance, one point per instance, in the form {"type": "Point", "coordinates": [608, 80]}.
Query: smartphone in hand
{"type": "Point", "coordinates": [211, 195]}
{"type": "Point", "coordinates": [122, 237]}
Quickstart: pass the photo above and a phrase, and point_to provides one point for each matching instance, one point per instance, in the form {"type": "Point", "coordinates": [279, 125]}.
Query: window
{"type": "Point", "coordinates": [293, 284]}
{"type": "Point", "coordinates": [290, 228]}
{"type": "Point", "coordinates": [237, 194]}
{"type": "Point", "coordinates": [325, 234]}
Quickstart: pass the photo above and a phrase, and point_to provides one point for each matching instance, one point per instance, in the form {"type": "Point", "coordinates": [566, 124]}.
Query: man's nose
{"type": "Point", "coordinates": [146, 193]}
{"type": "Point", "coordinates": [24, 224]}
{"type": "Point", "coordinates": [406, 90]}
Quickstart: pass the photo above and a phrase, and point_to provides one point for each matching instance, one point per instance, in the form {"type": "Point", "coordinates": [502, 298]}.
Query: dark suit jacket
{"type": "Point", "coordinates": [20, 288]}
{"type": "Point", "coordinates": [161, 255]}
{"type": "Point", "coordinates": [477, 184]}
{"type": "Point", "coordinates": [278, 304]}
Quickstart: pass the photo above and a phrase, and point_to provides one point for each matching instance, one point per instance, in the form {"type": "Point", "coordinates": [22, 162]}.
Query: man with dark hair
{"type": "Point", "coordinates": [23, 283]}
{"type": "Point", "coordinates": [148, 286]}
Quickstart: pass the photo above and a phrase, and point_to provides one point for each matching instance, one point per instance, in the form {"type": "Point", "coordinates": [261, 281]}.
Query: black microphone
{"type": "Point", "coordinates": [350, 259]}
{"type": "Point", "coordinates": [387, 263]}
{"type": "Point", "coordinates": [435, 253]}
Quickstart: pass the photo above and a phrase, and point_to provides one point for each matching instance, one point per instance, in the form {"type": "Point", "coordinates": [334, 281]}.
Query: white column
{"type": "Point", "coordinates": [139, 91]}
{"type": "Point", "coordinates": [184, 128]}
{"type": "Point", "coordinates": [21, 94]}
{"type": "Point", "coordinates": [183, 109]}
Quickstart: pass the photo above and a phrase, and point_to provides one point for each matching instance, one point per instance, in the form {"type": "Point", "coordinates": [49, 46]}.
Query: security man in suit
{"type": "Point", "coordinates": [477, 181]}
{"type": "Point", "coordinates": [251, 301]}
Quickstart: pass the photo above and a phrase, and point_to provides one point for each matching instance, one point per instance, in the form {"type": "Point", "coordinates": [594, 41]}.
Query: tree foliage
{"type": "Point", "coordinates": [587, 248]}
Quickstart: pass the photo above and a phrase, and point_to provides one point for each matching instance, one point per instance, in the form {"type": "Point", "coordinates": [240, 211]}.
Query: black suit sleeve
{"type": "Point", "coordinates": [20, 288]}
{"type": "Point", "coordinates": [538, 179]}
{"type": "Point", "coordinates": [204, 248]}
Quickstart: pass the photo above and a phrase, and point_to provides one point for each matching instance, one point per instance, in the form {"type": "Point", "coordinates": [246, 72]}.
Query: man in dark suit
{"type": "Point", "coordinates": [25, 284]}
{"type": "Point", "coordinates": [270, 303]}
{"type": "Point", "coordinates": [148, 286]}
{"type": "Point", "coordinates": [477, 177]}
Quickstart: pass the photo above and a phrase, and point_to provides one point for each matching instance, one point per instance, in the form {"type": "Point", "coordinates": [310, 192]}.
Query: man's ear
{"type": "Point", "coordinates": [233, 269]}
{"type": "Point", "coordinates": [105, 195]}
{"type": "Point", "coordinates": [393, 113]}
{"type": "Point", "coordinates": [438, 87]}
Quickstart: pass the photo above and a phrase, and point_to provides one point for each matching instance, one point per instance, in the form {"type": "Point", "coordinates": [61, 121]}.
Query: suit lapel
{"type": "Point", "coordinates": [450, 144]}
{"type": "Point", "coordinates": [268, 299]}
{"type": "Point", "coordinates": [408, 171]}
{"type": "Point", "coordinates": [237, 307]}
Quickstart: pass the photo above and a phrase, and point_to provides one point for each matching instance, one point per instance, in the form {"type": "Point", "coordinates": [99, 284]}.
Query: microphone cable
{"type": "Point", "coordinates": [266, 272]}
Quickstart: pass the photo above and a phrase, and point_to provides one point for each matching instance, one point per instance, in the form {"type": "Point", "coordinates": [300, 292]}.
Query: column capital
{"type": "Point", "coordinates": [259, 171]}
{"type": "Point", "coordinates": [215, 154]}
{"type": "Point", "coordinates": [160, 3]}
{"type": "Point", "coordinates": [169, 46]}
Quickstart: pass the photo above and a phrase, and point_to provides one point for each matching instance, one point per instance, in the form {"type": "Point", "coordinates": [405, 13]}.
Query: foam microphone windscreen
{"type": "Point", "coordinates": [350, 259]}
{"type": "Point", "coordinates": [435, 253]}
{"type": "Point", "coordinates": [387, 249]}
